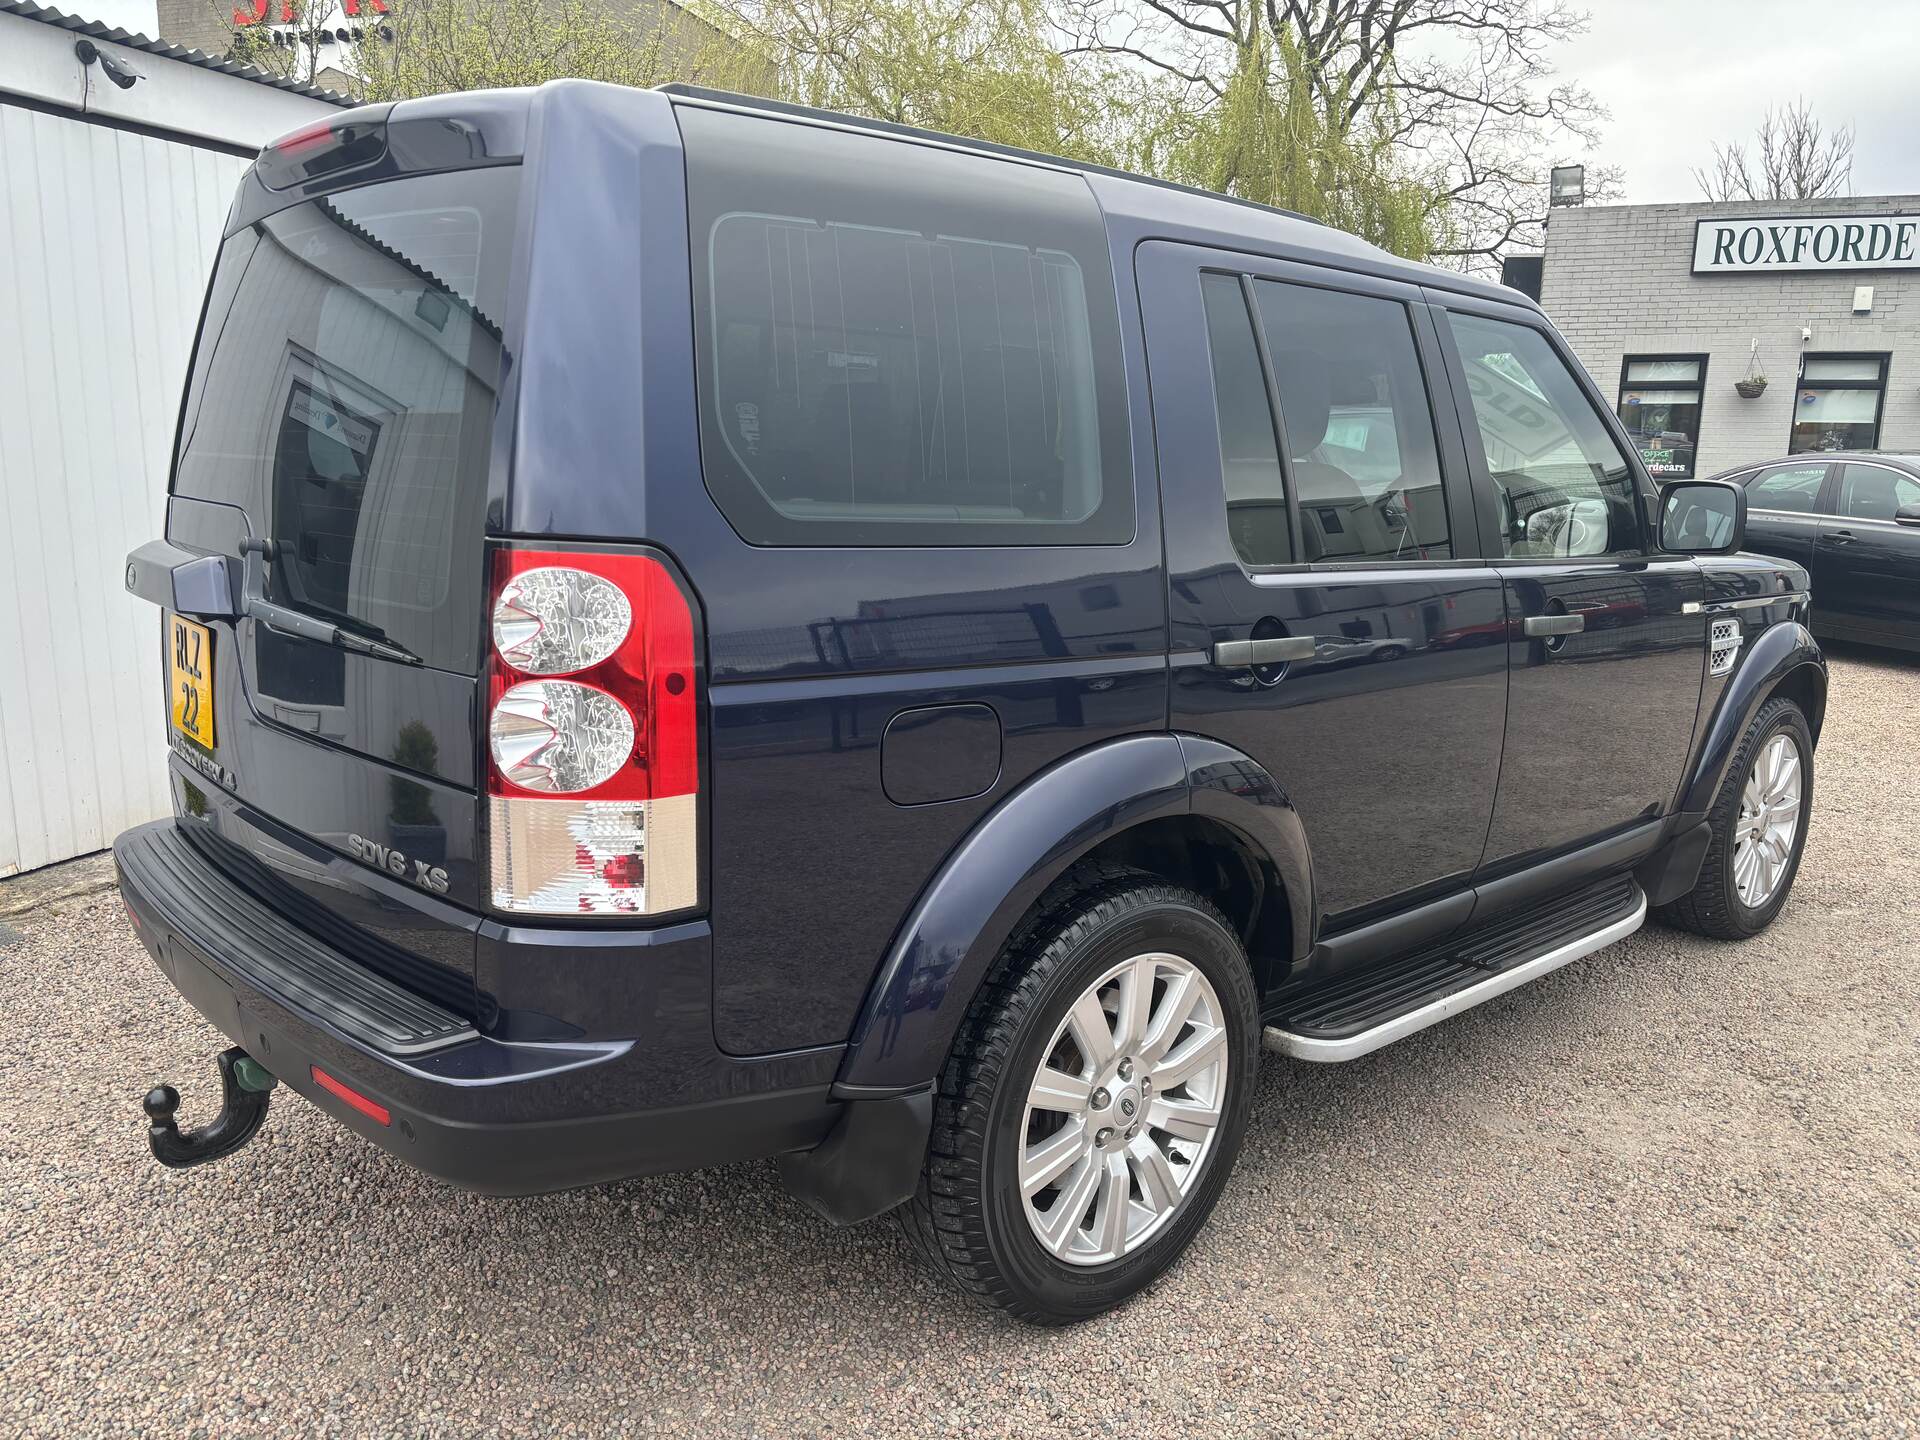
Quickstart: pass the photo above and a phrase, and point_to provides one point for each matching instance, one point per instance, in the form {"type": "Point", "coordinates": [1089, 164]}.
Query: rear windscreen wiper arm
{"type": "Point", "coordinates": [287, 620]}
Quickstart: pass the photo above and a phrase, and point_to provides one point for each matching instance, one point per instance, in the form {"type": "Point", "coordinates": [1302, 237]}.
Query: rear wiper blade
{"type": "Point", "coordinates": [289, 621]}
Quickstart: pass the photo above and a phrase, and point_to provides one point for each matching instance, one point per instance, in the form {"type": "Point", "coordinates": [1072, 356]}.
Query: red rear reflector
{"type": "Point", "coordinates": [348, 1095]}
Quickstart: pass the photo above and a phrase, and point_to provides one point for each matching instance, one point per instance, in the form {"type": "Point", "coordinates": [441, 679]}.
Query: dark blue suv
{"type": "Point", "coordinates": [699, 630]}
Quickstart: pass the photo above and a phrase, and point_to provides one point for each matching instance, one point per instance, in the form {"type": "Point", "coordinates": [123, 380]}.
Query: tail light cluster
{"type": "Point", "coordinates": [593, 747]}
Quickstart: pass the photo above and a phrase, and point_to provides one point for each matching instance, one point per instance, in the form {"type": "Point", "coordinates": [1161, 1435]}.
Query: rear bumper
{"type": "Point", "coordinates": [502, 1117]}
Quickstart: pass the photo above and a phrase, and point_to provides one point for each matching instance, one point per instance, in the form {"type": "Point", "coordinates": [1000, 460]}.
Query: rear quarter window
{"type": "Point", "coordinates": [899, 344]}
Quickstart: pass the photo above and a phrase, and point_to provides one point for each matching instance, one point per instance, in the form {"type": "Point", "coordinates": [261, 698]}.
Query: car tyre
{"type": "Point", "coordinates": [972, 1217]}
{"type": "Point", "coordinates": [1726, 903]}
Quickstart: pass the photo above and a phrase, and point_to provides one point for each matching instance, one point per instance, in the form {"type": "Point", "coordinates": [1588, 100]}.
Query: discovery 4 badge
{"type": "Point", "coordinates": [384, 857]}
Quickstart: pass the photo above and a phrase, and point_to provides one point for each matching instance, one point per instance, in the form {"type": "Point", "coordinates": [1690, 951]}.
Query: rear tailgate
{"type": "Point", "coordinates": [341, 409]}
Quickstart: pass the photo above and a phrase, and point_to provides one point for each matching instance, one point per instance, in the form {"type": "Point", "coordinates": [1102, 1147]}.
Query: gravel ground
{"type": "Point", "coordinates": [1671, 1189]}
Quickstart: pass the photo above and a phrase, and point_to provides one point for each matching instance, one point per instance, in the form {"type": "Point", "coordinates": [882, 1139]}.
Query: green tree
{"type": "Point", "coordinates": [1268, 139]}
{"type": "Point", "coordinates": [982, 68]}
{"type": "Point", "coordinates": [446, 45]}
{"type": "Point", "coordinates": [1454, 97]}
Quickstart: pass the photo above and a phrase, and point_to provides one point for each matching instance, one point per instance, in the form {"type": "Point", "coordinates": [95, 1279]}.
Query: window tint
{"type": "Point", "coordinates": [900, 345]}
{"type": "Point", "coordinates": [1873, 492]}
{"type": "Point", "coordinates": [1257, 519]}
{"type": "Point", "coordinates": [1357, 425]}
{"type": "Point", "coordinates": [1660, 406]}
{"type": "Point", "coordinates": [1837, 405]}
{"type": "Point", "coordinates": [1793, 488]}
{"type": "Point", "coordinates": [1564, 486]}
{"type": "Point", "coordinates": [343, 397]}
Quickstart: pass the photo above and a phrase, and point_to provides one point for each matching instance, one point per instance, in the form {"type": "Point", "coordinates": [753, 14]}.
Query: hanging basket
{"type": "Point", "coordinates": [1755, 380]}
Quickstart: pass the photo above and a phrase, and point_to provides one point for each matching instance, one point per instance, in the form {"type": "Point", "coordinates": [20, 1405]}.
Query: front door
{"type": "Point", "coordinates": [1607, 646]}
{"type": "Point", "coordinates": [1315, 508]}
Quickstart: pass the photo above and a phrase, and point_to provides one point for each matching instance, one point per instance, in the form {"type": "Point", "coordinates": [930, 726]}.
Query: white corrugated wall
{"type": "Point", "coordinates": [108, 237]}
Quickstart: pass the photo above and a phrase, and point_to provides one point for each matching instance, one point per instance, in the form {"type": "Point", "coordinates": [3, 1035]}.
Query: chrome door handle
{"type": "Point", "coordinates": [1235, 654]}
{"type": "Point", "coordinates": [1538, 625]}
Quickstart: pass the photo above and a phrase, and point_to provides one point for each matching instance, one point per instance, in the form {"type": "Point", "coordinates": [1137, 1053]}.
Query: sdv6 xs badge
{"type": "Point", "coordinates": [427, 877]}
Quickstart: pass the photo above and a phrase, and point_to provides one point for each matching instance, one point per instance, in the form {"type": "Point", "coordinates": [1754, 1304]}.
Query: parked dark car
{"type": "Point", "coordinates": [701, 630]}
{"type": "Point", "coordinates": [1852, 520]}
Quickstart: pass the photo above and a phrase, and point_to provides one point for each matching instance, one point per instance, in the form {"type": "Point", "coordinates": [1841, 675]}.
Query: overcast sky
{"type": "Point", "coordinates": [1679, 75]}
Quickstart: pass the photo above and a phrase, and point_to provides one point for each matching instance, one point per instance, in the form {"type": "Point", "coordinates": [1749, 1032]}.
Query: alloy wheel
{"type": "Point", "coordinates": [1123, 1109]}
{"type": "Point", "coordinates": [1768, 822]}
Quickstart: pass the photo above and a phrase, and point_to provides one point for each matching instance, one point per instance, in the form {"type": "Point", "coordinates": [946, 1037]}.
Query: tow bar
{"type": "Point", "coordinates": [246, 1084]}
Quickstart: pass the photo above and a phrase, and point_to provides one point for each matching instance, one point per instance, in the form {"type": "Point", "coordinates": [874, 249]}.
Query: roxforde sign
{"type": "Point", "coordinates": [1743, 245]}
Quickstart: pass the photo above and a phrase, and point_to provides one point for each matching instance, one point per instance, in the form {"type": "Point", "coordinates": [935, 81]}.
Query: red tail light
{"type": "Point", "coordinates": [593, 763]}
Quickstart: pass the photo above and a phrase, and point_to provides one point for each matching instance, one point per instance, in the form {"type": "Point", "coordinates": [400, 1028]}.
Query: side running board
{"type": "Point", "coordinates": [1355, 1015]}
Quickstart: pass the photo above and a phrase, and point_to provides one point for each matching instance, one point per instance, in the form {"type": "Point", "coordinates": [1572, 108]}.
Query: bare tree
{"type": "Point", "coordinates": [1800, 159]}
{"type": "Point", "coordinates": [1464, 89]}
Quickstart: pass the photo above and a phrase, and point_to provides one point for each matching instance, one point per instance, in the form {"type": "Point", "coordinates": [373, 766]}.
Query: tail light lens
{"type": "Point", "coordinates": [592, 779]}
{"type": "Point", "coordinates": [557, 735]}
{"type": "Point", "coordinates": [554, 620]}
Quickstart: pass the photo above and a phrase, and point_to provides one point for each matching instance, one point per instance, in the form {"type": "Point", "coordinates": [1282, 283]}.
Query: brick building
{"type": "Point", "coordinates": [1669, 305]}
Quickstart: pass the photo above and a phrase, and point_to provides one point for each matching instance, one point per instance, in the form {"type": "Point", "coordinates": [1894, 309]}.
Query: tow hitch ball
{"type": "Point", "coordinates": [246, 1085]}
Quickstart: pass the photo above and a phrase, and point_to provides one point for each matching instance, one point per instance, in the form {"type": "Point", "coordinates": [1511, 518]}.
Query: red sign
{"type": "Point", "coordinates": [260, 8]}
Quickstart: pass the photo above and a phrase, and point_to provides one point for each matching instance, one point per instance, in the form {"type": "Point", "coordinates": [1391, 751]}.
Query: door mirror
{"type": "Point", "coordinates": [1702, 517]}
{"type": "Point", "coordinates": [1907, 515]}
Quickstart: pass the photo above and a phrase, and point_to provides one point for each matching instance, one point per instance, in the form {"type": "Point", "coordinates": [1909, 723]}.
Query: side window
{"type": "Point", "coordinates": [1793, 488]}
{"type": "Point", "coordinates": [1358, 427]}
{"type": "Point", "coordinates": [1257, 519]}
{"type": "Point", "coordinates": [1873, 492]}
{"type": "Point", "coordinates": [1565, 488]}
{"type": "Point", "coordinates": [899, 345]}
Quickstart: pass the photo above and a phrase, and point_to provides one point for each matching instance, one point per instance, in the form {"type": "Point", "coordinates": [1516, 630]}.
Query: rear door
{"type": "Point", "coordinates": [1783, 509]}
{"type": "Point", "coordinates": [341, 410]}
{"type": "Point", "coordinates": [1316, 502]}
{"type": "Point", "coordinates": [1866, 565]}
{"type": "Point", "coordinates": [1606, 661]}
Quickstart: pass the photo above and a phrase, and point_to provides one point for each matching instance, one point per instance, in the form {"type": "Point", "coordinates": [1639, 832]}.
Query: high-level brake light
{"type": "Point", "coordinates": [592, 779]}
{"type": "Point", "coordinates": [322, 148]}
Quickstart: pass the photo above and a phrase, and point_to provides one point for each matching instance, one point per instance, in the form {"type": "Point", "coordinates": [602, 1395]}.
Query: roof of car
{"type": "Point", "coordinates": [1906, 459]}
{"type": "Point", "coordinates": [1226, 217]}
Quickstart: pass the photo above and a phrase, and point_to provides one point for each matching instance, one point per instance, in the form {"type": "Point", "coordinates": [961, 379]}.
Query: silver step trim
{"type": "Point", "coordinates": [1303, 1047]}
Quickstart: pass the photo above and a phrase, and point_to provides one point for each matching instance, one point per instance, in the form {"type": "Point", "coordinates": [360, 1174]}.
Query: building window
{"type": "Point", "coordinates": [1660, 406]}
{"type": "Point", "coordinates": [1837, 406]}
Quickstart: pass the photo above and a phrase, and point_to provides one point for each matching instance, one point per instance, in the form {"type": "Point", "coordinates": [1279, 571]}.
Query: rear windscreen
{"type": "Point", "coordinates": [343, 396]}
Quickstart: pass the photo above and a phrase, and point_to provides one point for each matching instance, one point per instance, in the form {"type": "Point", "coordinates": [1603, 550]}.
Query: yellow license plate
{"type": "Point", "coordinates": [190, 647]}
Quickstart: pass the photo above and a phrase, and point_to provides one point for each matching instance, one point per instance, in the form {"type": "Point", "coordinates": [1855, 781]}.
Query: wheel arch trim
{"type": "Point", "coordinates": [986, 886]}
{"type": "Point", "coordinates": [1785, 657]}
